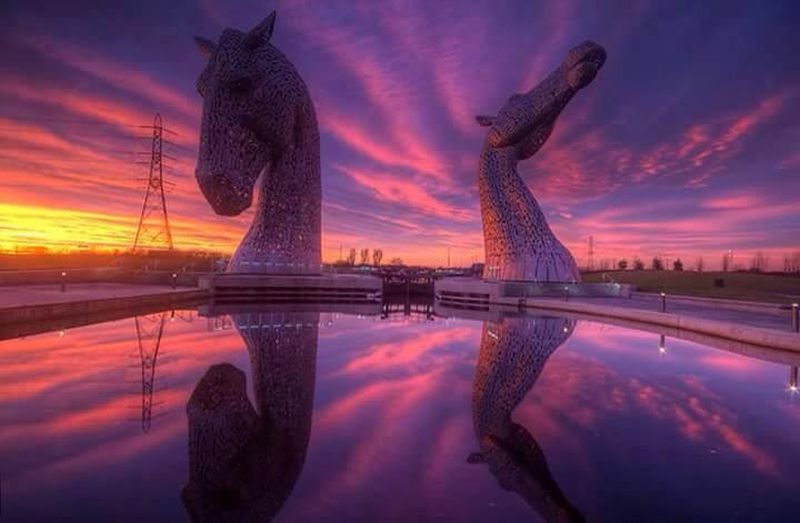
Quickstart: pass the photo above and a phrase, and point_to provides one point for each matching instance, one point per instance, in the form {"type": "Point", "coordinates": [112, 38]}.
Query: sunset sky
{"type": "Point", "coordinates": [686, 144]}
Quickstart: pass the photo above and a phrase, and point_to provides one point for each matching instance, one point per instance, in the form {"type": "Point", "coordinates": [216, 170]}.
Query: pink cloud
{"type": "Point", "coordinates": [392, 189]}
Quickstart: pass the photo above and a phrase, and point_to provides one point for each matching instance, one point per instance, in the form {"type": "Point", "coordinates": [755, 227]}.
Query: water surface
{"type": "Point", "coordinates": [331, 417]}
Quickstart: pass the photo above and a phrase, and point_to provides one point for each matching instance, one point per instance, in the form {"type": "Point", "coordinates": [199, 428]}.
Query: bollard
{"type": "Point", "coordinates": [796, 317]}
{"type": "Point", "coordinates": [63, 281]}
{"type": "Point", "coordinates": [663, 302]}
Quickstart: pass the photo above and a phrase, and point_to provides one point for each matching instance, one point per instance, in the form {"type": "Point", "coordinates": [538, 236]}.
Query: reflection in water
{"type": "Point", "coordinates": [149, 331]}
{"type": "Point", "coordinates": [244, 461]}
{"type": "Point", "coordinates": [513, 353]}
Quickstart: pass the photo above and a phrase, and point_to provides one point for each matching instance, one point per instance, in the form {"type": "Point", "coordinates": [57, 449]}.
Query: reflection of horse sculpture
{"type": "Point", "coordinates": [257, 114]}
{"type": "Point", "coordinates": [512, 355]}
{"type": "Point", "coordinates": [245, 461]}
{"type": "Point", "coordinates": [518, 242]}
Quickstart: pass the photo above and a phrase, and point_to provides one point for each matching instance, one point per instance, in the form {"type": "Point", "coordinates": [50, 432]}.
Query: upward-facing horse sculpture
{"type": "Point", "coordinates": [518, 242]}
{"type": "Point", "coordinates": [258, 116]}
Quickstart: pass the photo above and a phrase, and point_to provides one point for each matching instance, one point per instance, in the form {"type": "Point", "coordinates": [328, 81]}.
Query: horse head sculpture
{"type": "Point", "coordinates": [258, 117]}
{"type": "Point", "coordinates": [518, 242]}
{"type": "Point", "coordinates": [243, 460]}
{"type": "Point", "coordinates": [513, 354]}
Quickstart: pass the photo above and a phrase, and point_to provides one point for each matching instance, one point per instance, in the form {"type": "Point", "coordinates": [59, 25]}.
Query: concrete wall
{"type": "Point", "coordinates": [25, 320]}
{"type": "Point", "coordinates": [473, 293]}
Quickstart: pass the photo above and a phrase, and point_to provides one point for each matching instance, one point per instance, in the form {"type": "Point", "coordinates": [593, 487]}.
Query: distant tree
{"type": "Point", "coordinates": [396, 261]}
{"type": "Point", "coordinates": [791, 263]}
{"type": "Point", "coordinates": [351, 257]}
{"type": "Point", "coordinates": [638, 265]}
{"type": "Point", "coordinates": [377, 255]}
{"type": "Point", "coordinates": [657, 264]}
{"type": "Point", "coordinates": [759, 262]}
{"type": "Point", "coordinates": [622, 264]}
{"type": "Point", "coordinates": [699, 264]}
{"type": "Point", "coordinates": [677, 265]}
{"type": "Point", "coordinates": [364, 256]}
{"type": "Point", "coordinates": [726, 262]}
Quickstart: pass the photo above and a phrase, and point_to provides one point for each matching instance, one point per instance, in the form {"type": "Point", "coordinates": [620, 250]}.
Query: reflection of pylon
{"type": "Point", "coordinates": [153, 230]}
{"type": "Point", "coordinates": [149, 330]}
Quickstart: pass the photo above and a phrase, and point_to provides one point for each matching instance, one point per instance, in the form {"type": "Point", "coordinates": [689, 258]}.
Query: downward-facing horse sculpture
{"type": "Point", "coordinates": [518, 242]}
{"type": "Point", "coordinates": [245, 458]}
{"type": "Point", "coordinates": [513, 354]}
{"type": "Point", "coordinates": [258, 116]}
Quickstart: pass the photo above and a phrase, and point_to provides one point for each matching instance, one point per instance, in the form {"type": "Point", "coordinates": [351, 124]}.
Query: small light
{"type": "Point", "coordinates": [63, 274]}
{"type": "Point", "coordinates": [61, 333]}
{"type": "Point", "coordinates": [565, 329]}
{"type": "Point", "coordinates": [662, 350]}
{"type": "Point", "coordinates": [663, 294]}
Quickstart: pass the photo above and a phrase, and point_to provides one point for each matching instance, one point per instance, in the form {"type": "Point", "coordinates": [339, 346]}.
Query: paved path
{"type": "Point", "coordinates": [27, 295]}
{"type": "Point", "coordinates": [768, 319]}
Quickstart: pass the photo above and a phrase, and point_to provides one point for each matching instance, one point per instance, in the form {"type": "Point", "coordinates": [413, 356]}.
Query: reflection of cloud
{"type": "Point", "coordinates": [406, 351]}
{"type": "Point", "coordinates": [89, 366]}
{"type": "Point", "coordinates": [591, 392]}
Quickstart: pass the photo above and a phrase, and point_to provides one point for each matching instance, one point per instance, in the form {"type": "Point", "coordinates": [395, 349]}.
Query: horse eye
{"type": "Point", "coordinates": [241, 85]}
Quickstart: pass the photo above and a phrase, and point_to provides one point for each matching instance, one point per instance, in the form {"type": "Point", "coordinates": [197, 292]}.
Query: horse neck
{"type": "Point", "coordinates": [511, 358]}
{"type": "Point", "coordinates": [502, 188]}
{"type": "Point", "coordinates": [295, 176]}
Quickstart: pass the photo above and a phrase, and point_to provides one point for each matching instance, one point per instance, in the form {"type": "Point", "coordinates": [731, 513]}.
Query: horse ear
{"type": "Point", "coordinates": [261, 33]}
{"type": "Point", "coordinates": [485, 121]}
{"type": "Point", "coordinates": [205, 45]}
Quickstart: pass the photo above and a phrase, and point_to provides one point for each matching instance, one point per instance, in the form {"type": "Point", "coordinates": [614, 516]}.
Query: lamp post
{"type": "Point", "coordinates": [796, 317]}
{"type": "Point", "coordinates": [662, 345]}
{"type": "Point", "coordinates": [663, 302]}
{"type": "Point", "coordinates": [174, 280]}
{"type": "Point", "coordinates": [63, 281]}
{"type": "Point", "coordinates": [566, 293]}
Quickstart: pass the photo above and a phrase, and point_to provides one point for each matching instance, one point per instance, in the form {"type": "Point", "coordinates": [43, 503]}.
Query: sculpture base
{"type": "Point", "coordinates": [294, 288]}
{"type": "Point", "coordinates": [477, 292]}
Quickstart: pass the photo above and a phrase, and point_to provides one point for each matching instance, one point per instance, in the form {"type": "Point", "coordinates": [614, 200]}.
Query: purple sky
{"type": "Point", "coordinates": [685, 144]}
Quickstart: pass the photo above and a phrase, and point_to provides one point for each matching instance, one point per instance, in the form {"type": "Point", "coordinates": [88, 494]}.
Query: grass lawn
{"type": "Point", "coordinates": [738, 285]}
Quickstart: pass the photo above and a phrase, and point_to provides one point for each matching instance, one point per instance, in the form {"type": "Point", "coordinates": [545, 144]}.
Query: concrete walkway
{"type": "Point", "coordinates": [768, 328]}
{"type": "Point", "coordinates": [766, 318]}
{"type": "Point", "coordinates": [31, 295]}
